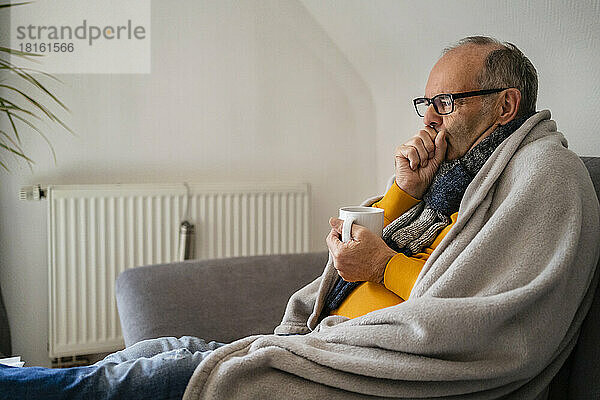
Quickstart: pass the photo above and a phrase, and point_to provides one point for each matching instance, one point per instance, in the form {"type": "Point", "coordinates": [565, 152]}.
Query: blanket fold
{"type": "Point", "coordinates": [494, 312]}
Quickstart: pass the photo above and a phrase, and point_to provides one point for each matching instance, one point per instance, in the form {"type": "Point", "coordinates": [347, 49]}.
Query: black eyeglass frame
{"type": "Point", "coordinates": [453, 96]}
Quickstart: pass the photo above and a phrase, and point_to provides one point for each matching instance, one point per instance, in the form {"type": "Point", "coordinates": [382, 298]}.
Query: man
{"type": "Point", "coordinates": [476, 290]}
{"type": "Point", "coordinates": [453, 125]}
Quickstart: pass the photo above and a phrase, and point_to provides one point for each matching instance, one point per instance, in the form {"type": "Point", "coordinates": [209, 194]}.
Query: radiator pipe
{"type": "Point", "coordinates": [186, 241]}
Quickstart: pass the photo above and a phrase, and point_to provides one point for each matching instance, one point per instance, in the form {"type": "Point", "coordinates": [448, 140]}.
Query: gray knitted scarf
{"type": "Point", "coordinates": [418, 227]}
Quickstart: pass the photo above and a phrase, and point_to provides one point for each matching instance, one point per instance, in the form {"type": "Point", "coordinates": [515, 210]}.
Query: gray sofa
{"type": "Point", "coordinates": [227, 299]}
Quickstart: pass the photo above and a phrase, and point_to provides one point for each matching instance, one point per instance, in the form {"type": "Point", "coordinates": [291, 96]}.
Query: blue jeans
{"type": "Point", "coordinates": [156, 368]}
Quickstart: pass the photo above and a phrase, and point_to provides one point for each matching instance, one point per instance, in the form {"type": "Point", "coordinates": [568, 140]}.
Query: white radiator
{"type": "Point", "coordinates": [97, 231]}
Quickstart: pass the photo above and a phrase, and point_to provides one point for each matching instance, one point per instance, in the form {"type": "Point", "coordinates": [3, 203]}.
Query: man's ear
{"type": "Point", "coordinates": [509, 105]}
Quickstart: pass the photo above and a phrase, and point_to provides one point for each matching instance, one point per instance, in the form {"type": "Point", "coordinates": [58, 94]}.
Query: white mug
{"type": "Point", "coordinates": [369, 217]}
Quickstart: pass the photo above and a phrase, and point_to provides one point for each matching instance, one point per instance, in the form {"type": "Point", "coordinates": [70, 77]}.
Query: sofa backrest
{"type": "Point", "coordinates": [579, 378]}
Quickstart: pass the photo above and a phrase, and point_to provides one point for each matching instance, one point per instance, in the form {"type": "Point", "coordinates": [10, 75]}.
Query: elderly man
{"type": "Point", "coordinates": [477, 288]}
{"type": "Point", "coordinates": [478, 88]}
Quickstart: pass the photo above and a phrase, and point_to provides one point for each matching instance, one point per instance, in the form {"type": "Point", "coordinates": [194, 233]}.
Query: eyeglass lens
{"type": "Point", "coordinates": [442, 104]}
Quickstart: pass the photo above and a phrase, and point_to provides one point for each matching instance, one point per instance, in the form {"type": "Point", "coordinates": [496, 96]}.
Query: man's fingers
{"type": "Point", "coordinates": [419, 144]}
{"type": "Point", "coordinates": [428, 140]}
{"type": "Point", "coordinates": [431, 130]}
{"type": "Point", "coordinates": [419, 149]}
{"type": "Point", "coordinates": [440, 146]}
{"type": "Point", "coordinates": [336, 224]}
{"type": "Point", "coordinates": [427, 150]}
{"type": "Point", "coordinates": [411, 154]}
{"type": "Point", "coordinates": [333, 242]}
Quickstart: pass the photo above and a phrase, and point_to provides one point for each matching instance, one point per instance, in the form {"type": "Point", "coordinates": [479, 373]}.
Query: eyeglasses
{"type": "Point", "coordinates": [444, 103]}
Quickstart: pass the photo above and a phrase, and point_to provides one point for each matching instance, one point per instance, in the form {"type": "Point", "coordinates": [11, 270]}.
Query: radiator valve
{"type": "Point", "coordinates": [34, 192]}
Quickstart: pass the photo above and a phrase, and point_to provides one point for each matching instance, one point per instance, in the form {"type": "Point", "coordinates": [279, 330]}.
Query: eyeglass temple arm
{"type": "Point", "coordinates": [476, 93]}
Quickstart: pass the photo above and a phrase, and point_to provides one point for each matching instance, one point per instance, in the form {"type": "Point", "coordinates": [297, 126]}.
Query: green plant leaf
{"type": "Point", "coordinates": [12, 123]}
{"type": "Point", "coordinates": [14, 66]}
{"type": "Point", "coordinates": [27, 159]}
{"type": "Point", "coordinates": [19, 107]}
{"type": "Point", "coordinates": [35, 128]}
{"type": "Point", "coordinates": [7, 108]}
{"type": "Point", "coordinates": [36, 83]}
{"type": "Point", "coordinates": [14, 4]}
{"type": "Point", "coordinates": [15, 151]}
{"type": "Point", "coordinates": [18, 153]}
{"type": "Point", "coordinates": [37, 71]}
{"type": "Point", "coordinates": [38, 105]}
{"type": "Point", "coordinates": [19, 52]}
{"type": "Point", "coordinates": [12, 110]}
{"type": "Point", "coordinates": [12, 141]}
{"type": "Point", "coordinates": [25, 120]}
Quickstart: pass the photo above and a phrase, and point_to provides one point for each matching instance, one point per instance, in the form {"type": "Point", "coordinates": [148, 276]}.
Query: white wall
{"type": "Point", "coordinates": [239, 90]}
{"type": "Point", "coordinates": [393, 44]}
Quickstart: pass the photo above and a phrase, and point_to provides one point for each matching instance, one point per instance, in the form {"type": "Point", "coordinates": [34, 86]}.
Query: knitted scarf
{"type": "Point", "coordinates": [418, 227]}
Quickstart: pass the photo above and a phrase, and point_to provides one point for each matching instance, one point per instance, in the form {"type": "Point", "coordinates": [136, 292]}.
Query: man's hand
{"type": "Point", "coordinates": [418, 160]}
{"type": "Point", "coordinates": [362, 258]}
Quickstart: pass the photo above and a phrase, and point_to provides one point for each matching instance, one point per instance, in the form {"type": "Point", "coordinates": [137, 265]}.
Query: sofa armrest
{"type": "Point", "coordinates": [221, 299]}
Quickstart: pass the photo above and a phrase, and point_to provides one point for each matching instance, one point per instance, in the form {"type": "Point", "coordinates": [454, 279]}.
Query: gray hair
{"type": "Point", "coordinates": [506, 67]}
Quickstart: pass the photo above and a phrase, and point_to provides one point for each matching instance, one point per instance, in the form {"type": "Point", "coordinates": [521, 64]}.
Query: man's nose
{"type": "Point", "coordinates": [432, 118]}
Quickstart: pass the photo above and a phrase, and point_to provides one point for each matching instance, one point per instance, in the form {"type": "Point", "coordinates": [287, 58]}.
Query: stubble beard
{"type": "Point", "coordinates": [463, 132]}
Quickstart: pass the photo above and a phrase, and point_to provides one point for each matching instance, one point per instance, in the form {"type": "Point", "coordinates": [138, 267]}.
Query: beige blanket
{"type": "Point", "coordinates": [494, 313]}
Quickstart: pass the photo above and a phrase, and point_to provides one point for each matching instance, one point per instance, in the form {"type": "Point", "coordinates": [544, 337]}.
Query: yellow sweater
{"type": "Point", "coordinates": [400, 272]}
